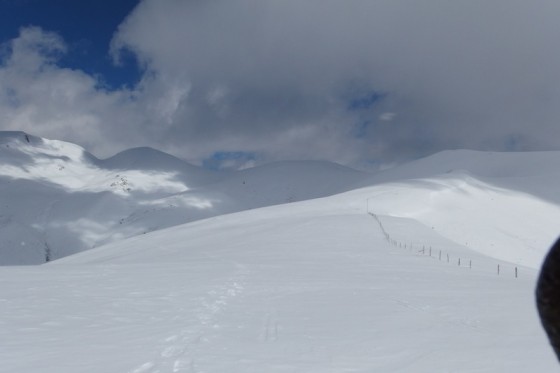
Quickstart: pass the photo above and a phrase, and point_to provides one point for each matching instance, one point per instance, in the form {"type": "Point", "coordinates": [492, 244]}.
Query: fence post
{"type": "Point", "coordinates": [459, 262]}
{"type": "Point", "coordinates": [447, 258]}
{"type": "Point", "coordinates": [470, 264]}
{"type": "Point", "coordinates": [498, 269]}
{"type": "Point", "coordinates": [440, 255]}
{"type": "Point", "coordinates": [515, 272]}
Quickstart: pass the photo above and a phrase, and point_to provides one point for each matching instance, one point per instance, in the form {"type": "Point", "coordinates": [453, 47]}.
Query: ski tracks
{"type": "Point", "coordinates": [177, 353]}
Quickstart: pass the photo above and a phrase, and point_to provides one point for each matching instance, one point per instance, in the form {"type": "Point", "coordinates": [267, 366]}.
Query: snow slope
{"type": "Point", "coordinates": [502, 223]}
{"type": "Point", "coordinates": [413, 272]}
{"type": "Point", "coordinates": [504, 205]}
{"type": "Point", "coordinates": [536, 173]}
{"type": "Point", "coordinates": [314, 286]}
{"type": "Point", "coordinates": [56, 199]}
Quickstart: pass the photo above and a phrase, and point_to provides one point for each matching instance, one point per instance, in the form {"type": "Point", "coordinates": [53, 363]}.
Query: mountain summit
{"type": "Point", "coordinates": [57, 199]}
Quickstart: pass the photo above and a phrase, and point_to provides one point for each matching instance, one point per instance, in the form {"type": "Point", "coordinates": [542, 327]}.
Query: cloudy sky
{"type": "Point", "coordinates": [238, 82]}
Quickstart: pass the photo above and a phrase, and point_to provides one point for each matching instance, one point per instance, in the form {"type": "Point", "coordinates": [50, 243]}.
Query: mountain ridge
{"type": "Point", "coordinates": [68, 200]}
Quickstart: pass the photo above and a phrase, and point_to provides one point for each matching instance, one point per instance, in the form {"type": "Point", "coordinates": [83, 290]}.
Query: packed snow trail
{"type": "Point", "coordinates": [307, 287]}
{"type": "Point", "coordinates": [178, 350]}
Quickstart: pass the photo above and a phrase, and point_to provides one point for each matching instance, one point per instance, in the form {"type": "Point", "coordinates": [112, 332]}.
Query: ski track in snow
{"type": "Point", "coordinates": [178, 351]}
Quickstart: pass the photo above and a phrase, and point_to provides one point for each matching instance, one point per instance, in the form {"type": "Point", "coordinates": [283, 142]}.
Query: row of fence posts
{"type": "Point", "coordinates": [423, 251]}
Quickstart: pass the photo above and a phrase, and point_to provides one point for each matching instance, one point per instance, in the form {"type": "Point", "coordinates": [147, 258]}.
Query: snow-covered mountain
{"type": "Point", "coordinates": [428, 267]}
{"type": "Point", "coordinates": [536, 173]}
{"type": "Point", "coordinates": [56, 199]}
{"type": "Point", "coordinates": [504, 205]}
{"type": "Point", "coordinates": [313, 286]}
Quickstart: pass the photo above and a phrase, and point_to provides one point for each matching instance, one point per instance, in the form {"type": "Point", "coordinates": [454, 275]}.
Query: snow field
{"type": "Point", "coordinates": [335, 284]}
{"type": "Point", "coordinates": [306, 287]}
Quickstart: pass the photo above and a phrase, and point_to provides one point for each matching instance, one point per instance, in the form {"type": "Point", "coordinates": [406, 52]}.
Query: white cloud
{"type": "Point", "coordinates": [39, 97]}
{"type": "Point", "coordinates": [460, 74]}
{"type": "Point", "coordinates": [35, 49]}
{"type": "Point", "coordinates": [277, 78]}
{"type": "Point", "coordinates": [388, 116]}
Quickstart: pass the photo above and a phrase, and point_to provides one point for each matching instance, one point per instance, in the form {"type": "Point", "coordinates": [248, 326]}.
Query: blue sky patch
{"type": "Point", "coordinates": [228, 160]}
{"type": "Point", "coordinates": [87, 27]}
{"type": "Point", "coordinates": [360, 129]}
{"type": "Point", "coordinates": [366, 101]}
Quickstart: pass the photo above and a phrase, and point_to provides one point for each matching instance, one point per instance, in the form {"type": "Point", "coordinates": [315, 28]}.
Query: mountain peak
{"type": "Point", "coordinates": [13, 137]}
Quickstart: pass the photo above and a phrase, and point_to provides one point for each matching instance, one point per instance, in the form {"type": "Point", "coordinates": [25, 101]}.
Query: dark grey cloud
{"type": "Point", "coordinates": [295, 79]}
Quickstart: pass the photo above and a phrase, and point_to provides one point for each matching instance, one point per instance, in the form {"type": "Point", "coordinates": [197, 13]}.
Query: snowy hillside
{"type": "Point", "coordinates": [56, 199]}
{"type": "Point", "coordinates": [504, 205]}
{"type": "Point", "coordinates": [314, 286]}
{"type": "Point", "coordinates": [429, 267]}
{"type": "Point", "coordinates": [502, 223]}
{"type": "Point", "coordinates": [537, 173]}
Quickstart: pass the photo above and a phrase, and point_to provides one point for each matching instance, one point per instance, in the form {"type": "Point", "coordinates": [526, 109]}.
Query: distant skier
{"type": "Point", "coordinates": [548, 296]}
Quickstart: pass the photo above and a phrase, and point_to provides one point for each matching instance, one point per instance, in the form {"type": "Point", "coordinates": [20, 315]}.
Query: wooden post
{"type": "Point", "coordinates": [498, 269]}
{"type": "Point", "coordinates": [470, 264]}
{"type": "Point", "coordinates": [447, 258]}
{"type": "Point", "coordinates": [515, 272]}
{"type": "Point", "coordinates": [440, 255]}
{"type": "Point", "coordinates": [459, 262]}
